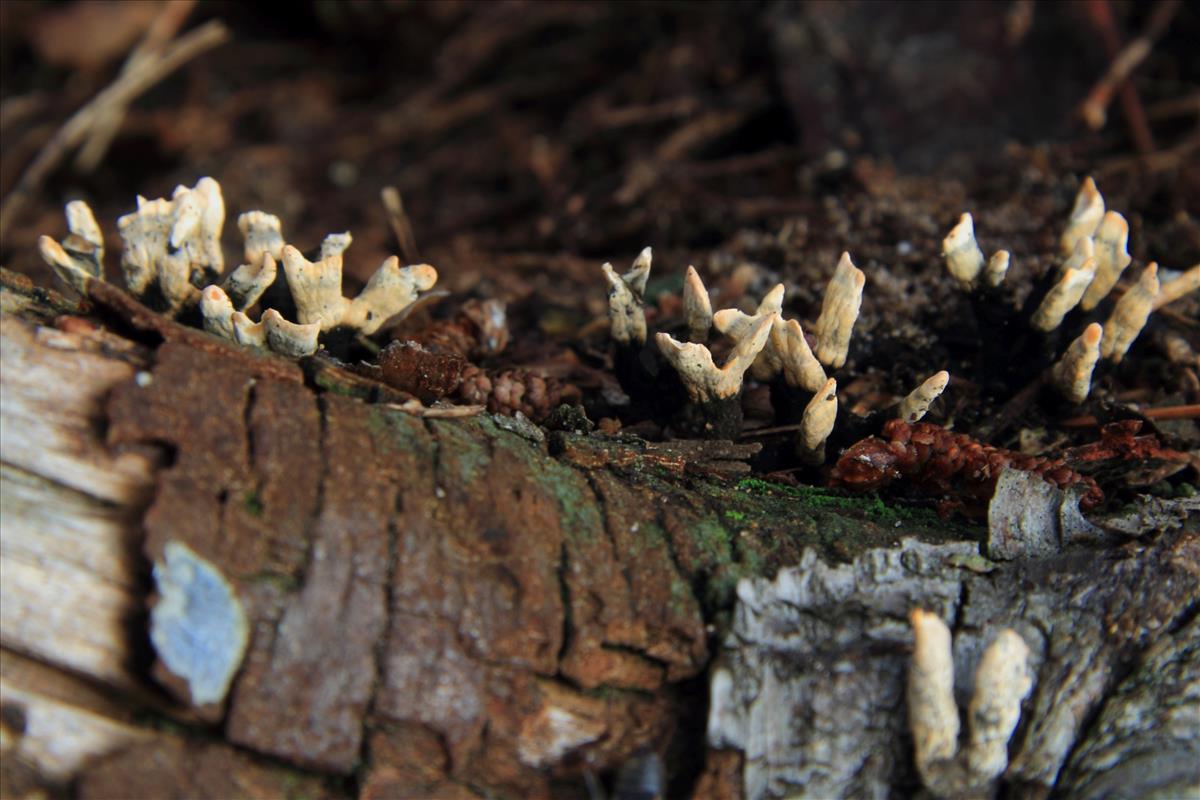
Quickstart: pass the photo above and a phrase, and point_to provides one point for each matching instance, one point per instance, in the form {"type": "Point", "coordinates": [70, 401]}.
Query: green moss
{"type": "Point", "coordinates": [252, 503]}
{"type": "Point", "coordinates": [814, 497]}
{"type": "Point", "coordinates": [736, 516]}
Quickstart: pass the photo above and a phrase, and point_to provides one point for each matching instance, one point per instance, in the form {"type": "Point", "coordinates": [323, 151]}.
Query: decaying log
{"type": "Point", "coordinates": [457, 608]}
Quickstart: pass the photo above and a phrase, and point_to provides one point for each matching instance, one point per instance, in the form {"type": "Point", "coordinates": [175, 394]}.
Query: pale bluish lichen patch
{"type": "Point", "coordinates": [198, 627]}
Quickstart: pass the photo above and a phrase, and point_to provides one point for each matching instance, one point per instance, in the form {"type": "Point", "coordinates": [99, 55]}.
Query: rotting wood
{"type": "Point", "coordinates": [504, 611]}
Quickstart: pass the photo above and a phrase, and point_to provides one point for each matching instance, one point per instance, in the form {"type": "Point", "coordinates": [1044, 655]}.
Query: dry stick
{"type": "Point", "coordinates": [1161, 413]}
{"type": "Point", "coordinates": [1124, 61]}
{"type": "Point", "coordinates": [161, 31]}
{"type": "Point", "coordinates": [400, 224]}
{"type": "Point", "coordinates": [120, 92]}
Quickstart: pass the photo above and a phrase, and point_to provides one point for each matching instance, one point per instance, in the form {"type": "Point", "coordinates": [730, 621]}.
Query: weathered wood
{"type": "Point", "coordinates": [460, 604]}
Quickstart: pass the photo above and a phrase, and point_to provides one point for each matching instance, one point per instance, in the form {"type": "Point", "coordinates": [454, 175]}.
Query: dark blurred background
{"type": "Point", "coordinates": [592, 129]}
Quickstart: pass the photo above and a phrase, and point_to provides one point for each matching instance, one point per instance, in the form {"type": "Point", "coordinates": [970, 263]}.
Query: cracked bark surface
{"type": "Point", "coordinates": [448, 608]}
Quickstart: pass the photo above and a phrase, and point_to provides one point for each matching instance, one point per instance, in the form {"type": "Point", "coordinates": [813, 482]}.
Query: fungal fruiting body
{"type": "Point", "coordinates": [736, 325]}
{"type": "Point", "coordinates": [964, 259]}
{"type": "Point", "coordinates": [916, 404]}
{"type": "Point", "coordinates": [627, 318]}
{"type": "Point", "coordinates": [839, 311]}
{"type": "Point", "coordinates": [697, 308]}
{"type": "Point", "coordinates": [1002, 682]}
{"type": "Point", "coordinates": [1130, 315]}
{"type": "Point", "coordinates": [1072, 375]}
{"type": "Point", "coordinates": [1086, 215]}
{"type": "Point", "coordinates": [801, 368]}
{"type": "Point", "coordinates": [817, 423]}
{"type": "Point", "coordinates": [1111, 250]}
{"type": "Point", "coordinates": [173, 248]}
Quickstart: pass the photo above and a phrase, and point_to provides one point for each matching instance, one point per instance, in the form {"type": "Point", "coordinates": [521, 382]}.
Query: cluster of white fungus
{"type": "Point", "coordinates": [173, 248]}
{"type": "Point", "coordinates": [1002, 682]}
{"type": "Point", "coordinates": [1095, 244]}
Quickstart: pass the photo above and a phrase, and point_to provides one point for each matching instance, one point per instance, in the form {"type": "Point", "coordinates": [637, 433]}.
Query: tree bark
{"type": "Point", "coordinates": [449, 608]}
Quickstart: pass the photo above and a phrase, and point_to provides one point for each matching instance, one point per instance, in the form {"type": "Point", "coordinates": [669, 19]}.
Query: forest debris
{"type": "Point", "coordinates": [1072, 375]}
{"type": "Point", "coordinates": [198, 627]}
{"type": "Point", "coordinates": [1001, 682]}
{"type": "Point", "coordinates": [1085, 216]}
{"type": "Point", "coordinates": [1130, 315]}
{"type": "Point", "coordinates": [697, 308]}
{"type": "Point", "coordinates": [916, 404]}
{"type": "Point", "coordinates": [964, 259]}
{"type": "Point", "coordinates": [702, 379]}
{"type": "Point", "coordinates": [627, 318]}
{"type": "Point", "coordinates": [428, 375]}
{"type": "Point", "coordinates": [1150, 514]}
{"type": "Point", "coordinates": [843, 297]}
{"type": "Point", "coordinates": [945, 462]}
{"type": "Point", "coordinates": [1112, 257]}
{"type": "Point", "coordinates": [1031, 518]}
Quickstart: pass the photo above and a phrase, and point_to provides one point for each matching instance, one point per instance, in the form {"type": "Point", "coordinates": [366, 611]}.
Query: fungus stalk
{"type": "Point", "coordinates": [1130, 315]}
{"type": "Point", "coordinates": [1178, 287]}
{"type": "Point", "coordinates": [964, 259]}
{"type": "Point", "coordinates": [715, 410]}
{"type": "Point", "coordinates": [1085, 216]}
{"type": "Point", "coordinates": [839, 311]}
{"type": "Point", "coordinates": [1072, 375]}
{"type": "Point", "coordinates": [1112, 257]}
{"type": "Point", "coordinates": [697, 308]}
{"type": "Point", "coordinates": [913, 407]}
{"type": "Point", "coordinates": [1065, 295]}
{"type": "Point", "coordinates": [817, 423]}
{"type": "Point", "coordinates": [79, 258]}
{"type": "Point", "coordinates": [1001, 683]}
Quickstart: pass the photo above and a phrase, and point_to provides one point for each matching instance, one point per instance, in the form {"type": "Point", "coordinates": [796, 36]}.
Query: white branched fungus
{"type": "Point", "coordinates": [166, 240]}
{"type": "Point", "coordinates": [79, 258]}
{"type": "Point", "coordinates": [733, 323]}
{"type": "Point", "coordinates": [1130, 315]}
{"type": "Point", "coordinates": [1112, 257]}
{"type": "Point", "coordinates": [702, 379]}
{"type": "Point", "coordinates": [1085, 248]}
{"type": "Point", "coordinates": [1065, 295]}
{"type": "Point", "coordinates": [997, 268]}
{"type": "Point", "coordinates": [932, 715]}
{"type": "Point", "coordinates": [288, 338]}
{"type": "Point", "coordinates": [1177, 287]}
{"type": "Point", "coordinates": [1001, 683]}
{"type": "Point", "coordinates": [1085, 216]}
{"type": "Point", "coordinates": [917, 403]}
{"type": "Point", "coordinates": [316, 288]}
{"type": "Point", "coordinates": [800, 367]}
{"type": "Point", "coordinates": [263, 249]}
{"type": "Point", "coordinates": [697, 308]}
{"type": "Point", "coordinates": [818, 419]}
{"type": "Point", "coordinates": [627, 319]}
{"type": "Point", "coordinates": [249, 333]}
{"type": "Point", "coordinates": [217, 311]}
{"type": "Point", "coordinates": [246, 284]}
{"type": "Point", "coordinates": [843, 297]}
{"type": "Point", "coordinates": [964, 259]}
{"type": "Point", "coordinates": [1072, 375]}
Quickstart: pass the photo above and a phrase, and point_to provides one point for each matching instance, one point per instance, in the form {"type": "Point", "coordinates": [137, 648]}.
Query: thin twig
{"type": "Point", "coordinates": [401, 226]}
{"type": "Point", "coordinates": [1161, 413]}
{"type": "Point", "coordinates": [158, 35]}
{"type": "Point", "coordinates": [123, 90]}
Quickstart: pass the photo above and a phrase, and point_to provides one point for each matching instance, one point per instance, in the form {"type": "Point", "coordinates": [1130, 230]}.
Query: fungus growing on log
{"type": "Point", "coordinates": [714, 390]}
{"type": "Point", "coordinates": [913, 407]}
{"type": "Point", "coordinates": [1111, 250]}
{"type": "Point", "coordinates": [1086, 215]}
{"type": "Point", "coordinates": [964, 259]}
{"type": "Point", "coordinates": [1130, 315]}
{"type": "Point", "coordinates": [697, 308]}
{"type": "Point", "coordinates": [839, 311]}
{"type": "Point", "coordinates": [1072, 375]}
{"type": "Point", "coordinates": [1001, 683]}
{"type": "Point", "coordinates": [817, 423]}
{"type": "Point", "coordinates": [736, 325]}
{"type": "Point", "coordinates": [627, 318]}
